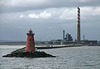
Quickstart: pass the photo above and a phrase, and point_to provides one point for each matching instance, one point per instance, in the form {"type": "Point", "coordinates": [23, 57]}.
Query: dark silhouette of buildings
{"type": "Point", "coordinates": [69, 37]}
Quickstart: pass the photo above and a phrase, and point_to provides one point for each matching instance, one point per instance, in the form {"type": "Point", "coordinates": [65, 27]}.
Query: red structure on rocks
{"type": "Point", "coordinates": [30, 44]}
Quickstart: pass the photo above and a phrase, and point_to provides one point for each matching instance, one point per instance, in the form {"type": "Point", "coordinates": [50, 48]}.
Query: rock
{"type": "Point", "coordinates": [22, 53]}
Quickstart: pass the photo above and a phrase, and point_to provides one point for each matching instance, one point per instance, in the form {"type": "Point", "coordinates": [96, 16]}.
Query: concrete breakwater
{"type": "Point", "coordinates": [58, 46]}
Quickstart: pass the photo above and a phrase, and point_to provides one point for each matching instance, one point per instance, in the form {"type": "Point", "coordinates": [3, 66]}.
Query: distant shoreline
{"type": "Point", "coordinates": [45, 45]}
{"type": "Point", "coordinates": [13, 43]}
{"type": "Point", "coordinates": [24, 43]}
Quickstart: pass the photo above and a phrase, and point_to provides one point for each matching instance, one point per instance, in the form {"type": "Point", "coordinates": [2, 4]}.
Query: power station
{"type": "Point", "coordinates": [67, 38]}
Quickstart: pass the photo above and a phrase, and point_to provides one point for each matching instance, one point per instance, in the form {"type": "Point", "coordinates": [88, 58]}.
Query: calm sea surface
{"type": "Point", "coordinates": [85, 57]}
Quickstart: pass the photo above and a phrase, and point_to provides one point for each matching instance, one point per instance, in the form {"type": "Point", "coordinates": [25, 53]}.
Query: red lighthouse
{"type": "Point", "coordinates": [30, 44]}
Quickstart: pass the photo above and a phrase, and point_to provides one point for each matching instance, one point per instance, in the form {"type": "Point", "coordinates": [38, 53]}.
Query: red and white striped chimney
{"type": "Point", "coordinates": [78, 25]}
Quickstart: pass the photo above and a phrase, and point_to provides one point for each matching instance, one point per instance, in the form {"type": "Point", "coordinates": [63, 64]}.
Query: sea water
{"type": "Point", "coordinates": [84, 57]}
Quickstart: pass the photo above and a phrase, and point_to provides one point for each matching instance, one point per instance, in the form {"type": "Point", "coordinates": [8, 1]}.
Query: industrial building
{"type": "Point", "coordinates": [89, 42]}
{"type": "Point", "coordinates": [67, 37]}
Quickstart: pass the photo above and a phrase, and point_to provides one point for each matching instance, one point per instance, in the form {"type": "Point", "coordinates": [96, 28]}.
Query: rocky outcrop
{"type": "Point", "coordinates": [22, 53]}
{"type": "Point", "coordinates": [28, 54]}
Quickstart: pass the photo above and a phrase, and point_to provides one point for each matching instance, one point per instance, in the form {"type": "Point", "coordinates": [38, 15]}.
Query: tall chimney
{"type": "Point", "coordinates": [78, 25]}
{"type": "Point", "coordinates": [63, 34]}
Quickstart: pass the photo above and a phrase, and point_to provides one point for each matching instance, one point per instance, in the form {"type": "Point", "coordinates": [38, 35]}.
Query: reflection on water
{"type": "Point", "coordinates": [67, 58]}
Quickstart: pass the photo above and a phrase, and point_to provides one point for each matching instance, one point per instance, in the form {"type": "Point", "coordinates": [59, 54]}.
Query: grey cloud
{"type": "Point", "coordinates": [25, 5]}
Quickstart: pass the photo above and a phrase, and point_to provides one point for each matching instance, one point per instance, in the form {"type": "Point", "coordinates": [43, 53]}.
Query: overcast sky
{"type": "Point", "coordinates": [48, 18]}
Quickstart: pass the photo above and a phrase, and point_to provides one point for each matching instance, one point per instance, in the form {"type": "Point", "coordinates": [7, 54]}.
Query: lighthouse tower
{"type": "Point", "coordinates": [30, 44]}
